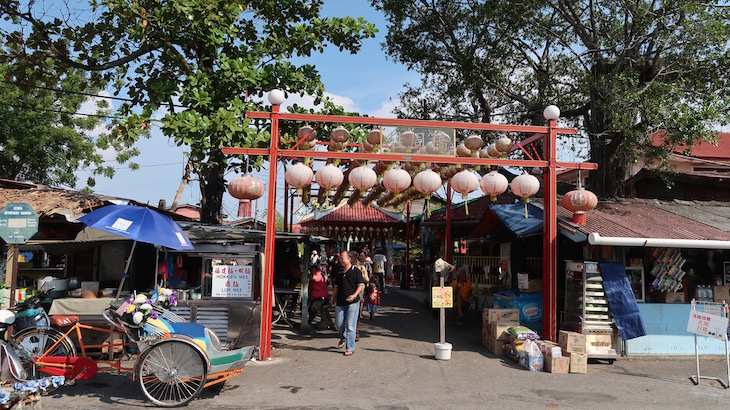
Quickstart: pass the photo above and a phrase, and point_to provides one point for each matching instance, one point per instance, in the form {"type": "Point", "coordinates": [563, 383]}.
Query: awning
{"type": "Point", "coordinates": [513, 217]}
{"type": "Point", "coordinates": [596, 239]}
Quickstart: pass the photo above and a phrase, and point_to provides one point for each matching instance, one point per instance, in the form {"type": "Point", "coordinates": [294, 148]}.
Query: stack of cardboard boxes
{"type": "Point", "coordinates": [495, 323]}
{"type": "Point", "coordinates": [573, 346]}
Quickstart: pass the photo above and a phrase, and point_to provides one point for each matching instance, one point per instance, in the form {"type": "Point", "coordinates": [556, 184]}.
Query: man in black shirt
{"type": "Point", "coordinates": [346, 293]}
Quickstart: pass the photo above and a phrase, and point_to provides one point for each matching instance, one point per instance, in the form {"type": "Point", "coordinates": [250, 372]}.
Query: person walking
{"type": "Point", "coordinates": [348, 287]}
{"type": "Point", "coordinates": [379, 261]}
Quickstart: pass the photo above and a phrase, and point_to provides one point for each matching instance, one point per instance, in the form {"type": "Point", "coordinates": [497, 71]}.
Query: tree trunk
{"type": "Point", "coordinates": [212, 187]}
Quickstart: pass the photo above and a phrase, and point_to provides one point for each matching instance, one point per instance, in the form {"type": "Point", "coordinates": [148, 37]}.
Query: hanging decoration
{"type": "Point", "coordinates": [362, 178]}
{"type": "Point", "coordinates": [494, 184]}
{"type": "Point", "coordinates": [374, 137]}
{"type": "Point", "coordinates": [396, 180]}
{"type": "Point", "coordinates": [328, 177]}
{"type": "Point", "coordinates": [299, 176]}
{"type": "Point", "coordinates": [503, 144]}
{"type": "Point", "coordinates": [407, 138]}
{"type": "Point", "coordinates": [246, 189]}
{"type": "Point", "coordinates": [492, 151]}
{"type": "Point", "coordinates": [465, 182]}
{"type": "Point", "coordinates": [525, 186]}
{"type": "Point", "coordinates": [474, 144]}
{"type": "Point", "coordinates": [463, 151]}
{"type": "Point", "coordinates": [579, 201]}
{"type": "Point", "coordinates": [340, 135]}
{"type": "Point", "coordinates": [427, 182]}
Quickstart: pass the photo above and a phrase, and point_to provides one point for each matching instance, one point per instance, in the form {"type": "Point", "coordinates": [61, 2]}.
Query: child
{"type": "Point", "coordinates": [373, 300]}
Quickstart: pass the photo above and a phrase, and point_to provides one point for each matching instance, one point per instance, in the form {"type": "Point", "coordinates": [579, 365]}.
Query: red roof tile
{"type": "Point", "coordinates": [704, 149]}
{"type": "Point", "coordinates": [357, 215]}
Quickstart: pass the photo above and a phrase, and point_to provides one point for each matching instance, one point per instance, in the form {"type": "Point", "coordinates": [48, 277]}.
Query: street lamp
{"type": "Point", "coordinates": [551, 112]}
{"type": "Point", "coordinates": [276, 96]}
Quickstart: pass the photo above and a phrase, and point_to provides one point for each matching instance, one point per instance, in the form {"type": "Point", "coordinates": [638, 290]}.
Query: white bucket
{"type": "Point", "coordinates": [443, 351]}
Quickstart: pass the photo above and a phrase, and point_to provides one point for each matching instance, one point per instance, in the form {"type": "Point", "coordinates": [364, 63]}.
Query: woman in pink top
{"type": "Point", "coordinates": [318, 293]}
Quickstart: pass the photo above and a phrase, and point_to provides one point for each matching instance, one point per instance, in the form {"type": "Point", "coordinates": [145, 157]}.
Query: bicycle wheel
{"type": "Point", "coordinates": [35, 342]}
{"type": "Point", "coordinates": [171, 373]}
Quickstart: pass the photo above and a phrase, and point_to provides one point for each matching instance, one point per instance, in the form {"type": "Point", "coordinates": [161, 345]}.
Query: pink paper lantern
{"type": "Point", "coordinates": [329, 176]}
{"type": "Point", "coordinates": [427, 182]}
{"type": "Point", "coordinates": [340, 134]}
{"type": "Point", "coordinates": [396, 180]}
{"type": "Point", "coordinates": [362, 178]}
{"type": "Point", "coordinates": [494, 184]}
{"type": "Point", "coordinates": [464, 182]}
{"type": "Point", "coordinates": [462, 151]}
{"type": "Point", "coordinates": [299, 175]}
{"type": "Point", "coordinates": [473, 142]}
{"type": "Point", "coordinates": [525, 186]}
{"type": "Point", "coordinates": [503, 144]}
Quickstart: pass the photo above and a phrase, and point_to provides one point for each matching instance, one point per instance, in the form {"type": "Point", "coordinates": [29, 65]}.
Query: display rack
{"type": "Point", "coordinates": [587, 310]}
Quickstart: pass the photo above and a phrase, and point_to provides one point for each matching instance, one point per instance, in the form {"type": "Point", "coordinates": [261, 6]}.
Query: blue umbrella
{"type": "Point", "coordinates": [139, 224]}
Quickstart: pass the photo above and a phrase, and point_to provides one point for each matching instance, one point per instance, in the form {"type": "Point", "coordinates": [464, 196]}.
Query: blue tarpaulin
{"type": "Point", "coordinates": [513, 217]}
{"type": "Point", "coordinates": [622, 301]}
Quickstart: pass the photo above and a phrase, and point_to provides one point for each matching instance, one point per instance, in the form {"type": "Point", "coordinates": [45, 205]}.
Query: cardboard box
{"type": "Point", "coordinates": [496, 346]}
{"type": "Point", "coordinates": [674, 297]}
{"type": "Point", "coordinates": [557, 365]}
{"type": "Point", "coordinates": [501, 315]}
{"type": "Point", "coordinates": [599, 343]}
{"type": "Point", "coordinates": [572, 342]}
{"type": "Point", "coordinates": [578, 362]}
{"type": "Point", "coordinates": [720, 293]}
{"type": "Point", "coordinates": [549, 349]}
{"type": "Point", "coordinates": [498, 331]}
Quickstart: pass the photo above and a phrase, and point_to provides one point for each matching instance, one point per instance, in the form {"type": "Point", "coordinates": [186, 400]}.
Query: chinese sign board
{"type": "Point", "coordinates": [232, 281]}
{"type": "Point", "coordinates": [442, 297]}
{"type": "Point", "coordinates": [18, 223]}
{"type": "Point", "coordinates": [707, 324]}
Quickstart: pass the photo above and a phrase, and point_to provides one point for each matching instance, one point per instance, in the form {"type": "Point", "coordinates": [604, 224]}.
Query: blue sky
{"type": "Point", "coordinates": [366, 82]}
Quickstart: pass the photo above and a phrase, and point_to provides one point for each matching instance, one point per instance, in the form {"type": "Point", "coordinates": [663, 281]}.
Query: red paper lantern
{"type": "Point", "coordinates": [579, 201]}
{"type": "Point", "coordinates": [503, 144]}
{"type": "Point", "coordinates": [374, 136]}
{"type": "Point", "coordinates": [340, 134]}
{"type": "Point", "coordinates": [462, 151]}
{"type": "Point", "coordinates": [246, 187]}
{"type": "Point", "coordinates": [473, 142]}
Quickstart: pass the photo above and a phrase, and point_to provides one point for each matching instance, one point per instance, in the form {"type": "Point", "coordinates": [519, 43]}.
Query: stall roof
{"type": "Point", "coordinates": [355, 215]}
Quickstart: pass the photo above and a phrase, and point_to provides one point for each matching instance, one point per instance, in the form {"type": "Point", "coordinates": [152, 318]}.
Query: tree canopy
{"type": "Point", "coordinates": [620, 71]}
{"type": "Point", "coordinates": [43, 140]}
{"type": "Point", "coordinates": [195, 66]}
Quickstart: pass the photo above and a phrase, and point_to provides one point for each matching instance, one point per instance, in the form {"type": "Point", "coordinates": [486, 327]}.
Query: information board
{"type": "Point", "coordinates": [18, 223]}
{"type": "Point", "coordinates": [442, 297]}
{"type": "Point", "coordinates": [232, 281]}
{"type": "Point", "coordinates": [707, 324]}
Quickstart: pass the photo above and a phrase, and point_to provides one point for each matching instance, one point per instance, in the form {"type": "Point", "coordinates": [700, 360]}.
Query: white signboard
{"type": "Point", "coordinates": [707, 324]}
{"type": "Point", "coordinates": [232, 281]}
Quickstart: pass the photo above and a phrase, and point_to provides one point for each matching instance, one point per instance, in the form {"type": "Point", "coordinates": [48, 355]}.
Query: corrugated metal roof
{"type": "Point", "coordinates": [652, 219]}
{"type": "Point", "coordinates": [356, 215]}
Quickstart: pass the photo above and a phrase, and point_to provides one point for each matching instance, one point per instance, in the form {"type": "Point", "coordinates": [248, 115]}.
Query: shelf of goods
{"type": "Point", "coordinates": [587, 310]}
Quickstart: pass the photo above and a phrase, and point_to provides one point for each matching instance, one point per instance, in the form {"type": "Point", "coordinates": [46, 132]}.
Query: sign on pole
{"type": "Point", "coordinates": [442, 297]}
{"type": "Point", "coordinates": [707, 324]}
{"type": "Point", "coordinates": [18, 223]}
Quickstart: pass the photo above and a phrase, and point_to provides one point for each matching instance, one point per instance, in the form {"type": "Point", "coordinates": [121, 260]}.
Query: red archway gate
{"type": "Point", "coordinates": [548, 163]}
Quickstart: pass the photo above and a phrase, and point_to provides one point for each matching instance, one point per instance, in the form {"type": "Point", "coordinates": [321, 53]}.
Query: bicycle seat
{"type": "Point", "coordinates": [64, 320]}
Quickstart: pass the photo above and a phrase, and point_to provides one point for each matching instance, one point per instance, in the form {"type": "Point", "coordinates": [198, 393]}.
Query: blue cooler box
{"type": "Point", "coordinates": [530, 307]}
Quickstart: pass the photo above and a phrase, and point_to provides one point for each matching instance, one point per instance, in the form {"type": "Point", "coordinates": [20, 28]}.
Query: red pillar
{"type": "Point", "coordinates": [407, 273]}
{"type": "Point", "coordinates": [550, 233]}
{"type": "Point", "coordinates": [267, 295]}
{"type": "Point", "coordinates": [447, 235]}
{"type": "Point", "coordinates": [285, 228]}
{"type": "Point", "coordinates": [291, 212]}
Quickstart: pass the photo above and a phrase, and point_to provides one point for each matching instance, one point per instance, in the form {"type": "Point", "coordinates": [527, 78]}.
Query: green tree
{"type": "Point", "coordinates": [619, 70]}
{"type": "Point", "coordinates": [204, 62]}
{"type": "Point", "coordinates": [40, 138]}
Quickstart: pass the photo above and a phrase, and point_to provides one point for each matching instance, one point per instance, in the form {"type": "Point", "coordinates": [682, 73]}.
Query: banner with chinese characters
{"type": "Point", "coordinates": [232, 281]}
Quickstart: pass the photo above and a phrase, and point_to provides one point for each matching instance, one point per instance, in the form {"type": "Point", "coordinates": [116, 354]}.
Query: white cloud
{"type": "Point", "coordinates": [386, 108]}
{"type": "Point", "coordinates": [307, 101]}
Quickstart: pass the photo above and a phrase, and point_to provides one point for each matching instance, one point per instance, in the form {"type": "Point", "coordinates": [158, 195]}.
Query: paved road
{"type": "Point", "coordinates": [394, 367]}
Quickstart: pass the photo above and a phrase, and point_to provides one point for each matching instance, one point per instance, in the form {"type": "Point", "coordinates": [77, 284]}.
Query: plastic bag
{"type": "Point", "coordinates": [531, 357]}
{"type": "Point", "coordinates": [522, 332]}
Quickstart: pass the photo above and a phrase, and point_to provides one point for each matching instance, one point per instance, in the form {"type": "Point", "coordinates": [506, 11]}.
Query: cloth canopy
{"type": "Point", "coordinates": [513, 217]}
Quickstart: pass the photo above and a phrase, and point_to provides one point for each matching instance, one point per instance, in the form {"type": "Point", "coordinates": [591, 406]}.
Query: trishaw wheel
{"type": "Point", "coordinates": [171, 373]}
{"type": "Point", "coordinates": [35, 342]}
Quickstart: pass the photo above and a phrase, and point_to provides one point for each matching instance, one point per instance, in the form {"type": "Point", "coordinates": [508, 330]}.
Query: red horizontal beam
{"type": "Point", "coordinates": [398, 122]}
{"type": "Point", "coordinates": [436, 159]}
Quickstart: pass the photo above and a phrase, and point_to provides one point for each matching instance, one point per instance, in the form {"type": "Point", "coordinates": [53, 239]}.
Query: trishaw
{"type": "Point", "coordinates": [176, 360]}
